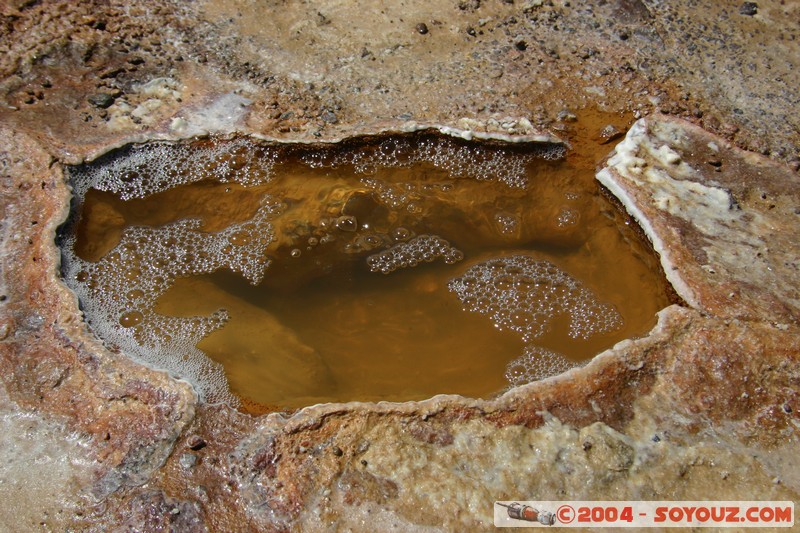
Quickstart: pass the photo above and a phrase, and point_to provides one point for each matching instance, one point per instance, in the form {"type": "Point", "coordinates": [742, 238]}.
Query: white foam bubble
{"type": "Point", "coordinates": [118, 293]}
{"type": "Point", "coordinates": [535, 364]}
{"type": "Point", "coordinates": [477, 161]}
{"type": "Point", "coordinates": [523, 294]}
{"type": "Point", "coordinates": [420, 249]}
{"type": "Point", "coordinates": [144, 169]}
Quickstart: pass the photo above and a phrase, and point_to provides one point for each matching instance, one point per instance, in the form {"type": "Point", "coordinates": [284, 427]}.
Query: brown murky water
{"type": "Point", "coordinates": [387, 269]}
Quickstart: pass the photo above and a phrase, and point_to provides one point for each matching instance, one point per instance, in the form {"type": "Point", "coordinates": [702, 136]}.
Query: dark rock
{"type": "Point", "coordinates": [329, 117]}
{"type": "Point", "coordinates": [101, 100]}
{"type": "Point", "coordinates": [749, 9]}
{"type": "Point", "coordinates": [422, 28]}
{"type": "Point", "coordinates": [111, 72]}
{"type": "Point", "coordinates": [196, 443]}
{"type": "Point", "coordinates": [631, 11]}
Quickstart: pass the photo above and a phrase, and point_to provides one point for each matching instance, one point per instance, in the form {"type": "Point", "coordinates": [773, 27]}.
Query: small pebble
{"type": "Point", "coordinates": [749, 9]}
{"type": "Point", "coordinates": [329, 117]}
{"type": "Point", "coordinates": [187, 460]}
{"type": "Point", "coordinates": [101, 100]}
{"type": "Point", "coordinates": [610, 133]}
{"type": "Point", "coordinates": [495, 73]}
{"type": "Point", "coordinates": [565, 115]}
{"type": "Point", "coordinates": [196, 443]}
{"type": "Point", "coordinates": [422, 28]}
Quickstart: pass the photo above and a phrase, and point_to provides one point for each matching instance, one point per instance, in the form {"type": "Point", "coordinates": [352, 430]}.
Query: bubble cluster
{"type": "Point", "coordinates": [139, 170]}
{"type": "Point", "coordinates": [535, 364]}
{"type": "Point", "coordinates": [422, 248]}
{"type": "Point", "coordinates": [119, 292]}
{"type": "Point", "coordinates": [568, 217]}
{"type": "Point", "coordinates": [391, 152]}
{"type": "Point", "coordinates": [474, 161]}
{"type": "Point", "coordinates": [507, 223]}
{"type": "Point", "coordinates": [394, 196]}
{"type": "Point", "coordinates": [477, 162]}
{"type": "Point", "coordinates": [523, 294]}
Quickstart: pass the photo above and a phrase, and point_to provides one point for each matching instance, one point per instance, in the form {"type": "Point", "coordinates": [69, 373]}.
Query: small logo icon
{"type": "Point", "coordinates": [565, 514]}
{"type": "Point", "coordinates": [527, 513]}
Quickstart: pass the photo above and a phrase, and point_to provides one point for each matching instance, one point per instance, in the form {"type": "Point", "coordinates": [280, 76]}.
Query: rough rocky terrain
{"type": "Point", "coordinates": [706, 406]}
